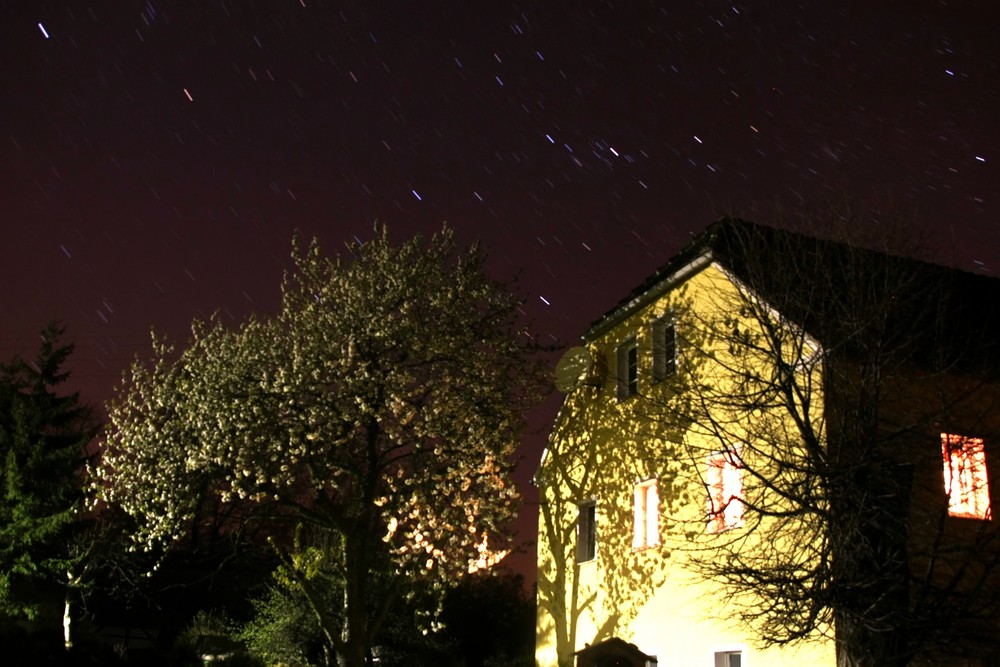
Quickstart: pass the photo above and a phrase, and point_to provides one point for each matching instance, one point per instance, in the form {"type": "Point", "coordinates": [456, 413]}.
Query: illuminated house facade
{"type": "Point", "coordinates": [726, 425]}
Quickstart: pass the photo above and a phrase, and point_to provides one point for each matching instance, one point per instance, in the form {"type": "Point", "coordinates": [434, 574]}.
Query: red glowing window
{"type": "Point", "coordinates": [724, 478]}
{"type": "Point", "coordinates": [965, 478]}
{"type": "Point", "coordinates": [646, 509]}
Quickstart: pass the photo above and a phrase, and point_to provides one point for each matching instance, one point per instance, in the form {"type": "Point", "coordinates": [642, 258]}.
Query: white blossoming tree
{"type": "Point", "coordinates": [381, 407]}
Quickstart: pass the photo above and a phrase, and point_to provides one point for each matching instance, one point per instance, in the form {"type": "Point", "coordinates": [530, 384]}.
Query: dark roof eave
{"type": "Point", "coordinates": [664, 280]}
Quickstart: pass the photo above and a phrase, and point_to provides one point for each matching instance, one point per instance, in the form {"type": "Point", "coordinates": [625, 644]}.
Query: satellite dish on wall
{"type": "Point", "coordinates": [575, 368]}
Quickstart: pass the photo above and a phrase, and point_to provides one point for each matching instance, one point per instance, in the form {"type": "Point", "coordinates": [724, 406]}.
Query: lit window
{"type": "Point", "coordinates": [646, 509]}
{"type": "Point", "coordinates": [586, 532]}
{"type": "Point", "coordinates": [627, 362]}
{"type": "Point", "coordinates": [664, 349]}
{"type": "Point", "coordinates": [728, 659]}
{"type": "Point", "coordinates": [725, 488]}
{"type": "Point", "coordinates": [965, 478]}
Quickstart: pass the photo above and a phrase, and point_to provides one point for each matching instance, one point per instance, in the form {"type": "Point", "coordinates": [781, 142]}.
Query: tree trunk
{"type": "Point", "coordinates": [858, 646]}
{"type": "Point", "coordinates": [871, 490]}
{"type": "Point", "coordinates": [67, 619]}
{"type": "Point", "coordinates": [872, 619]}
{"type": "Point", "coordinates": [354, 634]}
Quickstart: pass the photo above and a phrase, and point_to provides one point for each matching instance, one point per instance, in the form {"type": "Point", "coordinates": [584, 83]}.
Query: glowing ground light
{"type": "Point", "coordinates": [44, 31]}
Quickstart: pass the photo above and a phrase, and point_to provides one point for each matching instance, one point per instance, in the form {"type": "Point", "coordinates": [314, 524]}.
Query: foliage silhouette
{"type": "Point", "coordinates": [43, 438]}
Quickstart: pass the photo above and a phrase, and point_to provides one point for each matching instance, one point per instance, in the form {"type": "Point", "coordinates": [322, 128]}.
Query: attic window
{"type": "Point", "coordinates": [627, 369]}
{"type": "Point", "coordinates": [664, 349]}
{"type": "Point", "coordinates": [965, 479]}
{"type": "Point", "coordinates": [724, 478]}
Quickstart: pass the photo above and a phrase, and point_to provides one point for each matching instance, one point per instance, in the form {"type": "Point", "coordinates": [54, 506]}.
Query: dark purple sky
{"type": "Point", "coordinates": [156, 157]}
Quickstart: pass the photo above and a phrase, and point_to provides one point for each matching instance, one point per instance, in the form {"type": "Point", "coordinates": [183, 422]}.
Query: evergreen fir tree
{"type": "Point", "coordinates": [43, 436]}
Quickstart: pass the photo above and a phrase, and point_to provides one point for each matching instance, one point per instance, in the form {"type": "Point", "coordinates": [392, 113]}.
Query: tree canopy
{"type": "Point", "coordinates": [381, 406]}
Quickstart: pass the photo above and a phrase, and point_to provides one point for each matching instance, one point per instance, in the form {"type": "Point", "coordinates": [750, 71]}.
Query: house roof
{"type": "Point", "coordinates": [951, 316]}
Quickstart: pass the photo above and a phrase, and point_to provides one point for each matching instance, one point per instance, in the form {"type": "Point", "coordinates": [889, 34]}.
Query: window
{"type": "Point", "coordinates": [729, 659]}
{"type": "Point", "coordinates": [627, 366]}
{"type": "Point", "coordinates": [586, 532]}
{"type": "Point", "coordinates": [965, 478]}
{"type": "Point", "coordinates": [646, 509]}
{"type": "Point", "coordinates": [724, 478]}
{"type": "Point", "coordinates": [664, 349]}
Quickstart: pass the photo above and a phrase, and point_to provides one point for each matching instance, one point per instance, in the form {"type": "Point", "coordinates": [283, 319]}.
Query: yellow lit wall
{"type": "Point", "coordinates": [600, 448]}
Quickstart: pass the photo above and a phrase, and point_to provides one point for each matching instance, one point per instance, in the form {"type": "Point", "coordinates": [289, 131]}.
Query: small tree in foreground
{"type": "Point", "coordinates": [381, 407]}
{"type": "Point", "coordinates": [43, 436]}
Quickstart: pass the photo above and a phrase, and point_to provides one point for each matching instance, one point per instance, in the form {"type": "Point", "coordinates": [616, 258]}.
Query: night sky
{"type": "Point", "coordinates": [157, 157]}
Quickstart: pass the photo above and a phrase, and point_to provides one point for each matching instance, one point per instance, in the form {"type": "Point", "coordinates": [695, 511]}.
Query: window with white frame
{"type": "Point", "coordinates": [586, 531]}
{"type": "Point", "coordinates": [966, 481]}
{"type": "Point", "coordinates": [664, 348]}
{"type": "Point", "coordinates": [646, 511]}
{"type": "Point", "coordinates": [724, 478]}
{"type": "Point", "coordinates": [627, 368]}
{"type": "Point", "coordinates": [729, 659]}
